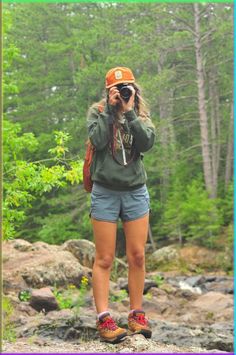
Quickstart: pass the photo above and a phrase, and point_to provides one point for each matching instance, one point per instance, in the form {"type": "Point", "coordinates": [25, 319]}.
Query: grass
{"type": "Point", "coordinates": [9, 332]}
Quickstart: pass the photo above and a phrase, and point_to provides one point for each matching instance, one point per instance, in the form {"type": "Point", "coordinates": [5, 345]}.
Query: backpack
{"type": "Point", "coordinates": [89, 154]}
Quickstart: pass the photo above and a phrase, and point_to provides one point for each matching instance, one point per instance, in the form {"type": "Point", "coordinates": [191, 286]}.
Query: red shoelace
{"type": "Point", "coordinates": [109, 324]}
{"type": "Point", "coordinates": [140, 318]}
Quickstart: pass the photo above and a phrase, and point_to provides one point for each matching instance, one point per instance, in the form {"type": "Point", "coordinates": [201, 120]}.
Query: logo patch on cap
{"type": "Point", "coordinates": [118, 74]}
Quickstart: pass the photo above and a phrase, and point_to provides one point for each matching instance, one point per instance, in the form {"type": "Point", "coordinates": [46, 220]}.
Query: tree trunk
{"type": "Point", "coordinates": [215, 128]}
{"type": "Point", "coordinates": [207, 167]}
{"type": "Point", "coordinates": [214, 108]}
{"type": "Point", "coordinates": [167, 136]}
{"type": "Point", "coordinates": [230, 146]}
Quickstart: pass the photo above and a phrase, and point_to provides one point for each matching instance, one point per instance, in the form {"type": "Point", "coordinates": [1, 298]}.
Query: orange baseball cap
{"type": "Point", "coordinates": [119, 75]}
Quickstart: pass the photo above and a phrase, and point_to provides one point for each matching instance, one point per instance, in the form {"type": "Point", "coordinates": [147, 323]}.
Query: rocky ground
{"type": "Point", "coordinates": [188, 313]}
{"type": "Point", "coordinates": [136, 344]}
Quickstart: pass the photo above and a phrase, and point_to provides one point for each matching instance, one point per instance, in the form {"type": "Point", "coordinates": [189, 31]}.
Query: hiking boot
{"type": "Point", "coordinates": [109, 330]}
{"type": "Point", "coordinates": [138, 323]}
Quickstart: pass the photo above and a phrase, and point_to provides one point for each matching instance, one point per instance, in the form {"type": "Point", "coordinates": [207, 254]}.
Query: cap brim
{"type": "Point", "coordinates": [120, 82]}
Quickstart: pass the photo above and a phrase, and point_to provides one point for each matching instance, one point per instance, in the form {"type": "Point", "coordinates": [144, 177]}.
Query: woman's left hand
{"type": "Point", "coordinates": [128, 106]}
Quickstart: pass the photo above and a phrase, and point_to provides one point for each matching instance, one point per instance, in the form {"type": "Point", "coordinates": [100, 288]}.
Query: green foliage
{"type": "Point", "coordinates": [225, 204]}
{"type": "Point", "coordinates": [24, 295]}
{"type": "Point", "coordinates": [119, 297]}
{"type": "Point", "coordinates": [159, 280]}
{"type": "Point", "coordinates": [24, 181]}
{"type": "Point", "coordinates": [72, 297]}
{"type": "Point", "coordinates": [54, 70]}
{"type": "Point", "coordinates": [149, 296]}
{"type": "Point", "coordinates": [190, 214]}
{"type": "Point", "coordinates": [9, 332]}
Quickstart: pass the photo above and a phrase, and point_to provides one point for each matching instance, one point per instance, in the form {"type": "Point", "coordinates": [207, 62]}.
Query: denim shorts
{"type": "Point", "coordinates": [110, 205]}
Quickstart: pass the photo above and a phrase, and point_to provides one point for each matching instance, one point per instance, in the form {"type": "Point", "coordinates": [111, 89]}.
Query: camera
{"type": "Point", "coordinates": [125, 91]}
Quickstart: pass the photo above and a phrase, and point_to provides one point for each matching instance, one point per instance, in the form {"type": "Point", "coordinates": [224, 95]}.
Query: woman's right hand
{"type": "Point", "coordinates": [114, 96]}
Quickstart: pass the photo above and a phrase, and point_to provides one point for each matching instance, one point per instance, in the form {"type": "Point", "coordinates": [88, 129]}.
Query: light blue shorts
{"type": "Point", "coordinates": [110, 205]}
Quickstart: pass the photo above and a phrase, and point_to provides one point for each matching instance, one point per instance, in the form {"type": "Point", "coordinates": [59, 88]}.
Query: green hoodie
{"type": "Point", "coordinates": [133, 131]}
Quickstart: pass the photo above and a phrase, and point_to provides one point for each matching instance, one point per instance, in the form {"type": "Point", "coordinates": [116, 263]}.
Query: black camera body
{"type": "Point", "coordinates": [125, 91]}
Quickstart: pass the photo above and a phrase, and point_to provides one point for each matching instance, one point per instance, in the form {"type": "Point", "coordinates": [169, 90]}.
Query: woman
{"type": "Point", "coordinates": [120, 130]}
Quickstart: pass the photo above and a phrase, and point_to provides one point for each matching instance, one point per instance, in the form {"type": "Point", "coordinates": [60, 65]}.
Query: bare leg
{"type": "Point", "coordinates": [136, 233]}
{"type": "Point", "coordinates": [105, 242]}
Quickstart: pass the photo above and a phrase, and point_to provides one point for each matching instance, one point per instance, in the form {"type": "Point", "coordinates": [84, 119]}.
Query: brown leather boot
{"type": "Point", "coordinates": [138, 323]}
{"type": "Point", "coordinates": [109, 330]}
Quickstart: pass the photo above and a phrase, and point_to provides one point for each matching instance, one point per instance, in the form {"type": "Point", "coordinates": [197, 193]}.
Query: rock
{"type": "Point", "coordinates": [186, 294]}
{"type": "Point", "coordinates": [214, 302]}
{"type": "Point", "coordinates": [38, 345]}
{"type": "Point", "coordinates": [82, 249]}
{"type": "Point", "coordinates": [39, 245]}
{"type": "Point", "coordinates": [175, 281]}
{"type": "Point", "coordinates": [214, 306]}
{"type": "Point", "coordinates": [157, 292]}
{"type": "Point", "coordinates": [137, 343]}
{"type": "Point", "coordinates": [195, 280]}
{"type": "Point", "coordinates": [67, 325]}
{"type": "Point", "coordinates": [165, 254]}
{"type": "Point", "coordinates": [119, 306]}
{"type": "Point", "coordinates": [25, 308]}
{"type": "Point", "coordinates": [202, 284]}
{"type": "Point", "coordinates": [183, 335]}
{"type": "Point", "coordinates": [154, 306]}
{"type": "Point", "coordinates": [22, 245]}
{"type": "Point", "coordinates": [168, 288]}
{"type": "Point", "coordinates": [181, 320]}
{"type": "Point", "coordinates": [125, 350]}
{"type": "Point", "coordinates": [61, 271]}
{"type": "Point", "coordinates": [123, 284]}
{"type": "Point", "coordinates": [43, 299]}
{"type": "Point", "coordinates": [223, 286]}
{"type": "Point", "coordinates": [39, 267]}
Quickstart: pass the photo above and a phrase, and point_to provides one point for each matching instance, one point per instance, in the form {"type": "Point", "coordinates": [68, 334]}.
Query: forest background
{"type": "Point", "coordinates": [56, 56]}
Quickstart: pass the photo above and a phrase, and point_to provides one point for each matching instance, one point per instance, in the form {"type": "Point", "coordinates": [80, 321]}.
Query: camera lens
{"type": "Point", "coordinates": [125, 92]}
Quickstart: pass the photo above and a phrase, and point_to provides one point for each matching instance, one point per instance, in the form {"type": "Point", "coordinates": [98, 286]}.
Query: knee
{"type": "Point", "coordinates": [104, 262]}
{"type": "Point", "coordinates": [136, 259]}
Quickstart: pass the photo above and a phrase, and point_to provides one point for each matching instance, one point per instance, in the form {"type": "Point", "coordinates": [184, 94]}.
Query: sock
{"type": "Point", "coordinates": [132, 310]}
{"type": "Point", "coordinates": [99, 315]}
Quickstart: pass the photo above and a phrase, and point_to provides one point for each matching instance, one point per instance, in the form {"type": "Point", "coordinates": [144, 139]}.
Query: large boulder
{"type": "Point", "coordinates": [38, 265]}
{"type": "Point", "coordinates": [82, 249]}
{"type": "Point", "coordinates": [165, 254]}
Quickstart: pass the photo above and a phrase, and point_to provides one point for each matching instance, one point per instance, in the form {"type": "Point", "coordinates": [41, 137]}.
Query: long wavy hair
{"type": "Point", "coordinates": [140, 105]}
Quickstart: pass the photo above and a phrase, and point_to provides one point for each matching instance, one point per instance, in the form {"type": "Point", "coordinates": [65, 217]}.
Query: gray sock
{"type": "Point", "coordinates": [100, 315]}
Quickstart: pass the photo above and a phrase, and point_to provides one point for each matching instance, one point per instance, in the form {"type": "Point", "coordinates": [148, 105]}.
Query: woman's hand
{"type": "Point", "coordinates": [128, 106]}
{"type": "Point", "coordinates": [114, 96]}
{"type": "Point", "coordinates": [115, 99]}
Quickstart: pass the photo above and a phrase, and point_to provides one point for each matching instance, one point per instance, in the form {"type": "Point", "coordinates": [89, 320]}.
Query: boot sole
{"type": "Point", "coordinates": [145, 332]}
{"type": "Point", "coordinates": [114, 340]}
